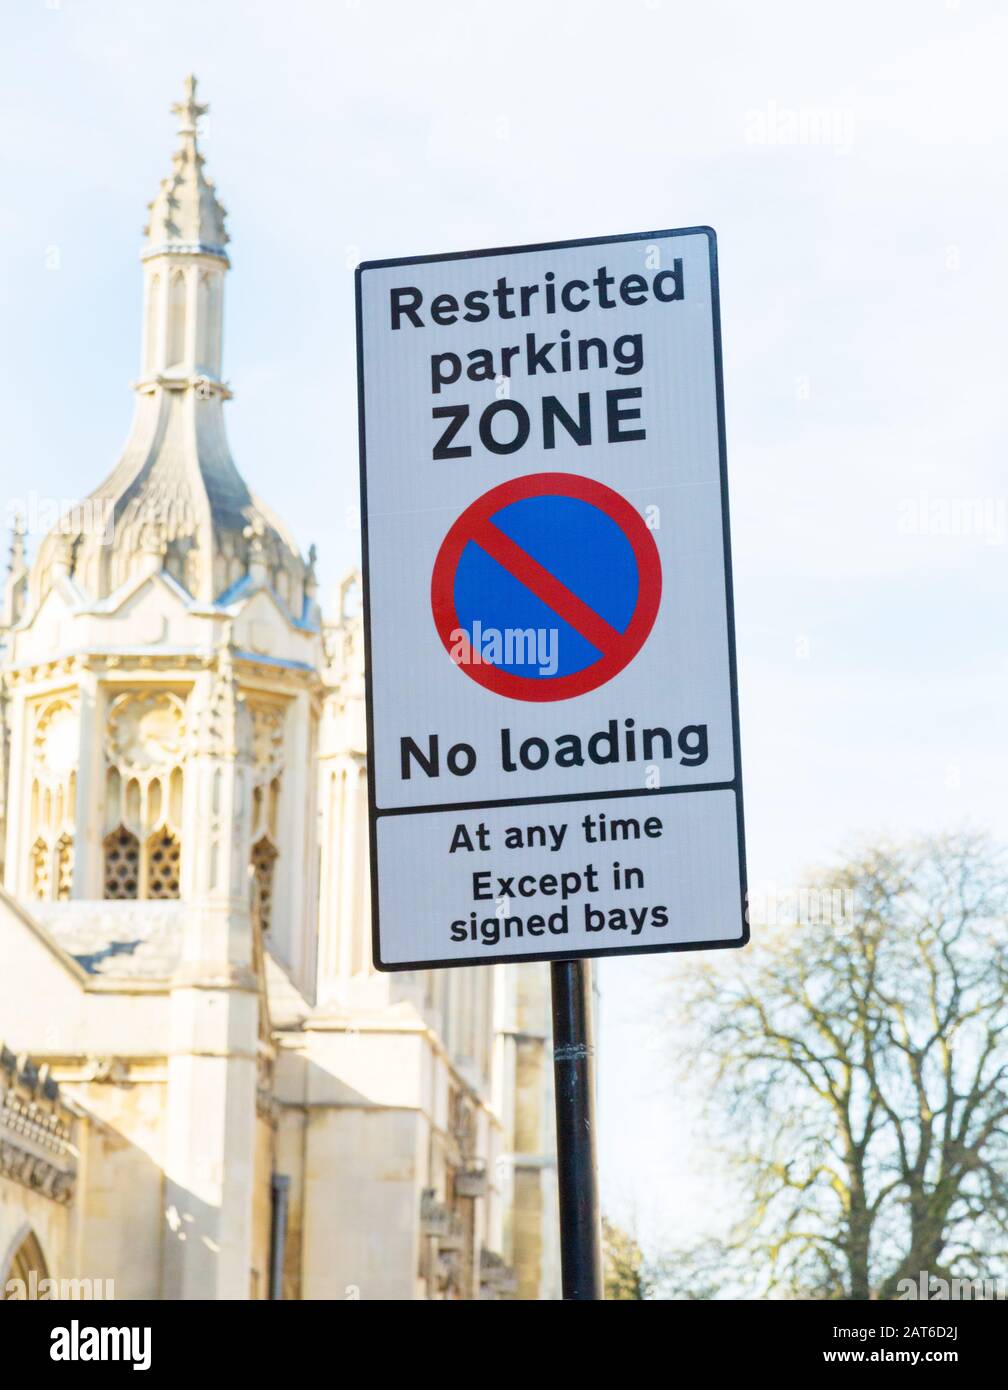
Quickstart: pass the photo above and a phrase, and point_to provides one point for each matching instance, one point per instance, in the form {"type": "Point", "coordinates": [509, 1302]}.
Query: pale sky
{"type": "Point", "coordinates": [851, 160]}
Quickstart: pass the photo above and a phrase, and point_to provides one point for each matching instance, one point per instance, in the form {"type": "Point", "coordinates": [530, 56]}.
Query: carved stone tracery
{"type": "Point", "coordinates": [55, 752]}
{"type": "Point", "coordinates": [36, 1130]}
{"type": "Point", "coordinates": [268, 722]}
{"type": "Point", "coordinates": [146, 729]}
{"type": "Point", "coordinates": [145, 748]}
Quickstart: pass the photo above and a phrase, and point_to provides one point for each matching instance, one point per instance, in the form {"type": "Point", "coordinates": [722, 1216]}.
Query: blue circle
{"type": "Point", "coordinates": [582, 547]}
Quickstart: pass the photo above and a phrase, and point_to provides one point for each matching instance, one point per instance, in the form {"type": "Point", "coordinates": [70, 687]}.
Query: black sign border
{"type": "Point", "coordinates": [735, 785]}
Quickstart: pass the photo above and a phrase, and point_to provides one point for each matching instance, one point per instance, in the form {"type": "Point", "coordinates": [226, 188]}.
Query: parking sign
{"type": "Point", "coordinates": [552, 704]}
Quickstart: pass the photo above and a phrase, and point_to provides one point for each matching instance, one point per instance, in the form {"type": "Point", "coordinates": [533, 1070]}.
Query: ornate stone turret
{"type": "Point", "coordinates": [107, 659]}
{"type": "Point", "coordinates": [176, 472]}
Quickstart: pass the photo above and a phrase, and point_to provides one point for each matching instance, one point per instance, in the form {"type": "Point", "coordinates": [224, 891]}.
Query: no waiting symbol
{"type": "Point", "coordinates": [546, 587]}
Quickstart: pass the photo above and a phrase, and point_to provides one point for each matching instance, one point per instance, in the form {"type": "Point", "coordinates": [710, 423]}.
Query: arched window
{"type": "Point", "coordinates": [50, 834]}
{"type": "Point", "coordinates": [143, 795]}
{"type": "Point", "coordinates": [264, 857]}
{"type": "Point", "coordinates": [27, 1260]}
{"type": "Point", "coordinates": [40, 869]}
{"type": "Point", "coordinates": [153, 323]}
{"type": "Point", "coordinates": [176, 319]}
{"type": "Point", "coordinates": [122, 864]}
{"type": "Point", "coordinates": [208, 322]}
{"type": "Point", "coordinates": [163, 866]}
{"type": "Point", "coordinates": [64, 867]}
{"type": "Point", "coordinates": [215, 322]}
{"type": "Point", "coordinates": [202, 318]}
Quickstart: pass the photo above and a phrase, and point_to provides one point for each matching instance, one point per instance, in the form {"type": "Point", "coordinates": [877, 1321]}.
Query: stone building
{"type": "Point", "coordinates": [206, 1090]}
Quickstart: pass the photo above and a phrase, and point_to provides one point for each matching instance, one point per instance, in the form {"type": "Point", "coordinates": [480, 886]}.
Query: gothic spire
{"type": "Point", "coordinates": [175, 501]}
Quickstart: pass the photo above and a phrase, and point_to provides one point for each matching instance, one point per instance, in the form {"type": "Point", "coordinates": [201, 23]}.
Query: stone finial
{"type": "Point", "coordinates": [189, 110]}
{"type": "Point", "coordinates": [152, 545]}
{"type": "Point", "coordinates": [153, 539]}
{"type": "Point", "coordinates": [16, 562]}
{"type": "Point", "coordinates": [13, 594]}
{"type": "Point", "coordinates": [255, 534]}
{"type": "Point", "coordinates": [63, 555]}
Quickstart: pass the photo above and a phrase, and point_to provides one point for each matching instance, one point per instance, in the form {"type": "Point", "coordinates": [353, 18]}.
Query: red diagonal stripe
{"type": "Point", "coordinates": [520, 564]}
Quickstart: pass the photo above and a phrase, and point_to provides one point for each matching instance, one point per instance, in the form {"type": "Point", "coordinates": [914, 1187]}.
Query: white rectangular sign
{"type": "Point", "coordinates": [553, 736]}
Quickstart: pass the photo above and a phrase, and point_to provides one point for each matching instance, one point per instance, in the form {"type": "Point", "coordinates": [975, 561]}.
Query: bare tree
{"type": "Point", "coordinates": [859, 1070]}
{"type": "Point", "coordinates": [626, 1274]}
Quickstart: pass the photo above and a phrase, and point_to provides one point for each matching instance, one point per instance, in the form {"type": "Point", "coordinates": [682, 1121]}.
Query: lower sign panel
{"type": "Point", "coordinates": [560, 879]}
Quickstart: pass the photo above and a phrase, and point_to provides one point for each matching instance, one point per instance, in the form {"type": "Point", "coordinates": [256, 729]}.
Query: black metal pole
{"type": "Point", "coordinates": [577, 1165]}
